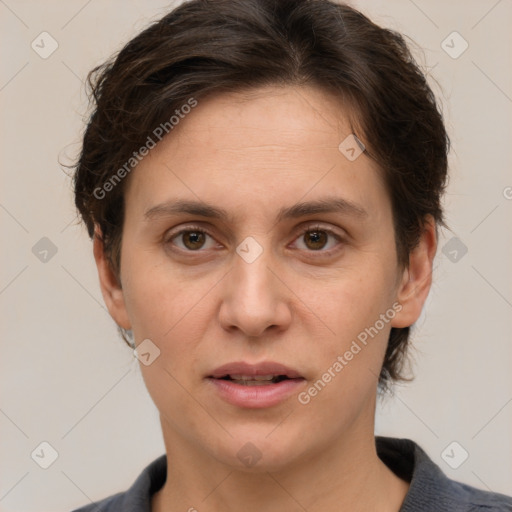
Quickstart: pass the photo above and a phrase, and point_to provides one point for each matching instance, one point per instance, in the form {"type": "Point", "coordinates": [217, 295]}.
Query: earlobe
{"type": "Point", "coordinates": [110, 287]}
{"type": "Point", "coordinates": [417, 277]}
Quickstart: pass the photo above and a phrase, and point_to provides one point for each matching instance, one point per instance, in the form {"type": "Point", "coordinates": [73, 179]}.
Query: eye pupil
{"type": "Point", "coordinates": [196, 239]}
{"type": "Point", "coordinates": [319, 239]}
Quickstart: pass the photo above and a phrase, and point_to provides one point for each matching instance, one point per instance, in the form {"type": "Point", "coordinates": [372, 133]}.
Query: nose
{"type": "Point", "coordinates": [255, 300]}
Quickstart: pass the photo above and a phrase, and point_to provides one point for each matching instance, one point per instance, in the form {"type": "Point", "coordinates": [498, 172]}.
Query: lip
{"type": "Point", "coordinates": [263, 368]}
{"type": "Point", "coordinates": [255, 397]}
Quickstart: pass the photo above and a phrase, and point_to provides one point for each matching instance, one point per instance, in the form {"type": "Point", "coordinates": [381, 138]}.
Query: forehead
{"type": "Point", "coordinates": [292, 116]}
{"type": "Point", "coordinates": [261, 148]}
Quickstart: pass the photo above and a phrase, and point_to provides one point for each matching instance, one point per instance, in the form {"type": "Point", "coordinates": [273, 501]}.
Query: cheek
{"type": "Point", "coordinates": [156, 296]}
{"type": "Point", "coordinates": [358, 309]}
{"type": "Point", "coordinates": [355, 300]}
{"type": "Point", "coordinates": [173, 311]}
{"type": "Point", "coordinates": [146, 303]}
{"type": "Point", "coordinates": [350, 360]}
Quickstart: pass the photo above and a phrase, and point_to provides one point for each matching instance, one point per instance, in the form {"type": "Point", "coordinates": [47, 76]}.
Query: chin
{"type": "Point", "coordinates": [261, 450]}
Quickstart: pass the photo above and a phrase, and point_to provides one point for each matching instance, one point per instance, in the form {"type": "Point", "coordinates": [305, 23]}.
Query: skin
{"type": "Point", "coordinates": [203, 305]}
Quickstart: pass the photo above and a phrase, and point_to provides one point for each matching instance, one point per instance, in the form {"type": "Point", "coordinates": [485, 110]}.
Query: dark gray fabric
{"type": "Point", "coordinates": [430, 489]}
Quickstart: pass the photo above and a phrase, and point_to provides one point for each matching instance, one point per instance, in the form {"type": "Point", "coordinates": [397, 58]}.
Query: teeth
{"type": "Point", "coordinates": [252, 377]}
{"type": "Point", "coordinates": [253, 382]}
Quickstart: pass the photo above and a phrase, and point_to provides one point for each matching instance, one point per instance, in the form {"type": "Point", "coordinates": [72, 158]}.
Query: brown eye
{"type": "Point", "coordinates": [191, 240]}
{"type": "Point", "coordinates": [324, 241]}
{"type": "Point", "coordinates": [315, 239]}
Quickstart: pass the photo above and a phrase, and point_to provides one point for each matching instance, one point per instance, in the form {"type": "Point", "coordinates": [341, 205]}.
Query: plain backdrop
{"type": "Point", "coordinates": [67, 379]}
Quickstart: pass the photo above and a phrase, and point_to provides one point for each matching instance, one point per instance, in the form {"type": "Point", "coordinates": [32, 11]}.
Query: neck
{"type": "Point", "coordinates": [347, 475]}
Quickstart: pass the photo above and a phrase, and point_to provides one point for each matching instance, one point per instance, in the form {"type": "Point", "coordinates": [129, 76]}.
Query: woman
{"type": "Point", "coordinates": [262, 181]}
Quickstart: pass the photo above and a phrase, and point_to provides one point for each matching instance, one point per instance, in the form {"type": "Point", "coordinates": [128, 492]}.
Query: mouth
{"type": "Point", "coordinates": [261, 380]}
{"type": "Point", "coordinates": [255, 385]}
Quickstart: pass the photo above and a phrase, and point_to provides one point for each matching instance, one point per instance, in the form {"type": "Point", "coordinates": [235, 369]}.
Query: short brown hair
{"type": "Point", "coordinates": [211, 46]}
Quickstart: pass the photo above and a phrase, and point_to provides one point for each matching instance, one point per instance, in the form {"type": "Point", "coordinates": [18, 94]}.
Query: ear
{"type": "Point", "coordinates": [109, 283]}
{"type": "Point", "coordinates": [416, 280]}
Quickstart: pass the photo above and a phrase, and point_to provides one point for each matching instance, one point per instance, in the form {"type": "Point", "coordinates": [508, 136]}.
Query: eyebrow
{"type": "Point", "coordinates": [202, 209]}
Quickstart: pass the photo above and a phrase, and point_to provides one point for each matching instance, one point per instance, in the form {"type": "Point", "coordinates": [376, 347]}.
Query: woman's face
{"type": "Point", "coordinates": [295, 267]}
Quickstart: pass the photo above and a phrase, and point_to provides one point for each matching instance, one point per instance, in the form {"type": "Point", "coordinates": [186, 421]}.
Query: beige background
{"type": "Point", "coordinates": [66, 377]}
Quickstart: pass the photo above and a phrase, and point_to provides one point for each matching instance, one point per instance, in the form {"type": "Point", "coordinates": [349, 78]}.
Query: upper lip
{"type": "Point", "coordinates": [251, 370]}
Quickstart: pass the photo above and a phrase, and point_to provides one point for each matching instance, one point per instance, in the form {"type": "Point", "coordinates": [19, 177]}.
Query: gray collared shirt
{"type": "Point", "coordinates": [430, 489]}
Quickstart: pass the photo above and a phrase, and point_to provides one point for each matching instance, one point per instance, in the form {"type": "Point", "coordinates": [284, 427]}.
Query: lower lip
{"type": "Point", "coordinates": [256, 397]}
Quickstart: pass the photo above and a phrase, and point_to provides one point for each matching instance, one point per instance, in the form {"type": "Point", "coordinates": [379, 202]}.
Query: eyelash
{"type": "Point", "coordinates": [309, 229]}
